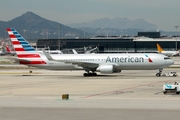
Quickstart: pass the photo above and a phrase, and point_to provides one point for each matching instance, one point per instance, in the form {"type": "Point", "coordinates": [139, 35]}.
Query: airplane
{"type": "Point", "coordinates": [91, 63]}
{"type": "Point", "coordinates": [2, 51]}
{"type": "Point", "coordinates": [89, 49]}
{"type": "Point", "coordinates": [52, 52]}
{"type": "Point", "coordinates": [167, 53]}
{"type": "Point", "coordinates": [9, 51]}
{"type": "Point", "coordinates": [86, 52]}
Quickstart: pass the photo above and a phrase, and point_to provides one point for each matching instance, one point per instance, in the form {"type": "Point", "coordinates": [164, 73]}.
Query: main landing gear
{"type": "Point", "coordinates": [88, 73]}
{"type": "Point", "coordinates": [159, 73]}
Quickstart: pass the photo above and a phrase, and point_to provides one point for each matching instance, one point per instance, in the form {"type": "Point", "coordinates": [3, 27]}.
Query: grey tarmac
{"type": "Point", "coordinates": [130, 95]}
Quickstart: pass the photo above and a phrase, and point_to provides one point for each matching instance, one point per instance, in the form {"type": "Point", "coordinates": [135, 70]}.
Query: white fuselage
{"type": "Point", "coordinates": [170, 53]}
{"type": "Point", "coordinates": [132, 61]}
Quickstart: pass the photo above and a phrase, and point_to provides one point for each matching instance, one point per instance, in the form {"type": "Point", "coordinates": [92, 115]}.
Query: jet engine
{"type": "Point", "coordinates": [107, 69]}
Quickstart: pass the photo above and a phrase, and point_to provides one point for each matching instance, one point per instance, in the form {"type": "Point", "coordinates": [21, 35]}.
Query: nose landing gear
{"type": "Point", "coordinates": [159, 73]}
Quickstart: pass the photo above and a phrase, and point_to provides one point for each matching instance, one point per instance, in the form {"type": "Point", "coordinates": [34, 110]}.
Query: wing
{"type": "Point", "coordinates": [84, 64]}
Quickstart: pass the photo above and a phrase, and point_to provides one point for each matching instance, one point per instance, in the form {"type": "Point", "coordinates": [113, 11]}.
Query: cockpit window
{"type": "Point", "coordinates": [166, 58]}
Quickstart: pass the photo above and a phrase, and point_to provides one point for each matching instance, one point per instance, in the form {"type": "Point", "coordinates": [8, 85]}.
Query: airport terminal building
{"type": "Point", "coordinates": [144, 42]}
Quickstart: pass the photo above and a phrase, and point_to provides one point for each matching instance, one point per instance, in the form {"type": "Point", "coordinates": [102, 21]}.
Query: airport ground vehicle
{"type": "Point", "coordinates": [168, 88]}
{"type": "Point", "coordinates": [170, 74]}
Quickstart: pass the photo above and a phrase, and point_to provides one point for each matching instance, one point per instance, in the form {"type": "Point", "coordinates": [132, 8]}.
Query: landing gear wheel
{"type": "Point", "coordinates": [89, 74]}
{"type": "Point", "coordinates": [174, 75]}
{"type": "Point", "coordinates": [85, 74]}
{"type": "Point", "coordinates": [94, 74]}
{"type": "Point", "coordinates": [158, 74]}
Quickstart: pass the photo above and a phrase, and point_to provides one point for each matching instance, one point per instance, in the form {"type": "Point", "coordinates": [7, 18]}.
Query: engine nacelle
{"type": "Point", "coordinates": [107, 69]}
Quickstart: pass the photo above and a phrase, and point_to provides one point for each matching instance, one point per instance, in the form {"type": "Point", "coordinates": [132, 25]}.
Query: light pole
{"type": "Point", "coordinates": [176, 36]}
{"type": "Point", "coordinates": [58, 37]}
{"type": "Point", "coordinates": [84, 32]}
{"type": "Point", "coordinates": [5, 34]}
{"type": "Point", "coordinates": [47, 33]}
{"type": "Point", "coordinates": [24, 33]}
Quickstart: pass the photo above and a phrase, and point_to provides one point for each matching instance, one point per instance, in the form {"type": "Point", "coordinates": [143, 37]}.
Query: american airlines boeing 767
{"type": "Point", "coordinates": [91, 63]}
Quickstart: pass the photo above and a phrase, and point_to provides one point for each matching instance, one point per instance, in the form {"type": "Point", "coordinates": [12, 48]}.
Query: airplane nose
{"type": "Point", "coordinates": [170, 62]}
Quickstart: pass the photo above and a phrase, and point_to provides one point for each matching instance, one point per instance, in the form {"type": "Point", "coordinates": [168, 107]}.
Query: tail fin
{"type": "Point", "coordinates": [159, 48]}
{"type": "Point", "coordinates": [24, 51]}
{"type": "Point", "coordinates": [19, 43]}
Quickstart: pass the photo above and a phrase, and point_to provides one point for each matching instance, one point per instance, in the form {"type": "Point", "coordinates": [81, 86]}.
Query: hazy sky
{"type": "Point", "coordinates": [163, 13]}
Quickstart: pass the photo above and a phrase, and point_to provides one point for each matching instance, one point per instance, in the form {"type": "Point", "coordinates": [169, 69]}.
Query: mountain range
{"type": "Point", "coordinates": [33, 27]}
{"type": "Point", "coordinates": [117, 23]}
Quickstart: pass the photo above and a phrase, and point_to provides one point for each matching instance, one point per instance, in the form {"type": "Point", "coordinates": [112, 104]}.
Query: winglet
{"type": "Point", "coordinates": [47, 55]}
{"type": "Point", "coordinates": [74, 51]}
{"type": "Point", "coordinates": [159, 48]}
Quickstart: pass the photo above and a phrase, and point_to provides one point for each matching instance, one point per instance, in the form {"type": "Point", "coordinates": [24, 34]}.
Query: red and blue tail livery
{"type": "Point", "coordinates": [19, 43]}
{"type": "Point", "coordinates": [24, 51]}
